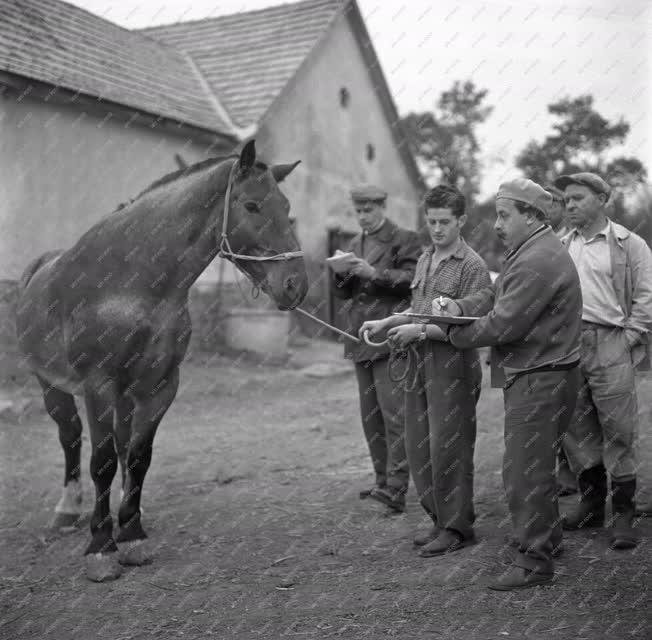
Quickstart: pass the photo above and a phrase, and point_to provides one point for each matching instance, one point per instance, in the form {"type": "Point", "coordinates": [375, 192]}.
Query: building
{"type": "Point", "coordinates": [91, 113]}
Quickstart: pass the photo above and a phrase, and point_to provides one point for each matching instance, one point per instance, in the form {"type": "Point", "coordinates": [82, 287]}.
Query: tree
{"type": "Point", "coordinates": [444, 140]}
{"type": "Point", "coordinates": [580, 141]}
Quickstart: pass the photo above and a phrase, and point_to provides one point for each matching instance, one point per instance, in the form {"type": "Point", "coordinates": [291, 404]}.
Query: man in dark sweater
{"type": "Point", "coordinates": [377, 284]}
{"type": "Point", "coordinates": [531, 316]}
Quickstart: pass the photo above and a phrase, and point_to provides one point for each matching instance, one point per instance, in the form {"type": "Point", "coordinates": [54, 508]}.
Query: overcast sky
{"type": "Point", "coordinates": [525, 53]}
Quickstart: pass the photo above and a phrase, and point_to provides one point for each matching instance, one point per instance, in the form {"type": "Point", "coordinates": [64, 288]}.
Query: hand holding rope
{"type": "Point", "coordinates": [409, 354]}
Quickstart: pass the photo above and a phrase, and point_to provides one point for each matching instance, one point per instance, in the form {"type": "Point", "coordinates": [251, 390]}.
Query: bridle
{"type": "Point", "coordinates": [225, 250]}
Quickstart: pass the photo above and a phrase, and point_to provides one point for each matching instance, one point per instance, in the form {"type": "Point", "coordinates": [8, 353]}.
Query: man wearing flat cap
{"type": "Point", "coordinates": [378, 284]}
{"type": "Point", "coordinates": [530, 316]}
{"type": "Point", "coordinates": [556, 213]}
{"type": "Point", "coordinates": [615, 270]}
{"type": "Point", "coordinates": [556, 218]}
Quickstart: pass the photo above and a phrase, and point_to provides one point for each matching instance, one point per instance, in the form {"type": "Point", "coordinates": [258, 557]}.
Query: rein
{"type": "Point", "coordinates": [225, 250]}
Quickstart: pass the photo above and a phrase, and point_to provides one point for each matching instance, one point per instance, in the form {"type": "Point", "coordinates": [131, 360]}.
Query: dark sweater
{"type": "Point", "coordinates": [532, 314]}
{"type": "Point", "coordinates": [393, 251]}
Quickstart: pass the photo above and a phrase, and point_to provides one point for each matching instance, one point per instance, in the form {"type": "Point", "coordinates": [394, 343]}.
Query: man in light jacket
{"type": "Point", "coordinates": [615, 269]}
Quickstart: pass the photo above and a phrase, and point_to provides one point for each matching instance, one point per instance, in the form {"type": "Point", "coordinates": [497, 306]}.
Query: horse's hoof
{"type": "Point", "coordinates": [135, 553]}
{"type": "Point", "coordinates": [103, 567]}
{"type": "Point", "coordinates": [66, 521]}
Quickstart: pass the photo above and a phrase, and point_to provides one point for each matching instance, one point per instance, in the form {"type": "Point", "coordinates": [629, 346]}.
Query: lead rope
{"type": "Point", "coordinates": [409, 354]}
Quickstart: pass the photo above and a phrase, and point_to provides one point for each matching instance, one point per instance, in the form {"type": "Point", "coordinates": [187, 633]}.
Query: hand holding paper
{"type": "Point", "coordinates": [341, 262]}
{"type": "Point", "coordinates": [445, 307]}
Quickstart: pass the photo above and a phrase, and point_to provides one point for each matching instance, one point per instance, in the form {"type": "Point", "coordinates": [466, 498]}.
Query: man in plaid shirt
{"type": "Point", "coordinates": [440, 421]}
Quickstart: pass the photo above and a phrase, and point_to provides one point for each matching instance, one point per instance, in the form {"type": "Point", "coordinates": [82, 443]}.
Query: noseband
{"type": "Point", "coordinates": [225, 250]}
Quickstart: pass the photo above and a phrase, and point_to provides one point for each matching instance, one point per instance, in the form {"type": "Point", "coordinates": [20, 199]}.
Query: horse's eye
{"type": "Point", "coordinates": [252, 207]}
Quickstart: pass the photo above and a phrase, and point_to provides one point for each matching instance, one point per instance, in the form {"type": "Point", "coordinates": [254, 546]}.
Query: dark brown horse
{"type": "Point", "coordinates": [108, 320]}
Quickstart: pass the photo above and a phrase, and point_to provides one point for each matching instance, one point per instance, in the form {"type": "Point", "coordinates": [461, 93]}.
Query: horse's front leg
{"type": "Point", "coordinates": [149, 409]}
{"type": "Point", "coordinates": [101, 555]}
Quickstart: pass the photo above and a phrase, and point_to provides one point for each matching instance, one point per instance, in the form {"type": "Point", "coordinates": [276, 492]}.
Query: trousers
{"type": "Point", "coordinates": [440, 431]}
{"type": "Point", "coordinates": [382, 413]}
{"type": "Point", "coordinates": [538, 409]}
{"type": "Point", "coordinates": [603, 429]}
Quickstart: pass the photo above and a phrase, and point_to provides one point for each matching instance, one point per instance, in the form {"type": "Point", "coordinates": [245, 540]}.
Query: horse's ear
{"type": "Point", "coordinates": [282, 171]}
{"type": "Point", "coordinates": [248, 156]}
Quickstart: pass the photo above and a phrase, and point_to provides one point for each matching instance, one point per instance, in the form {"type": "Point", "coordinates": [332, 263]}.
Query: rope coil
{"type": "Point", "coordinates": [409, 354]}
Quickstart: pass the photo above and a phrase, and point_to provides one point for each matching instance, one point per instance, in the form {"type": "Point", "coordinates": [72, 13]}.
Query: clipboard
{"type": "Point", "coordinates": [433, 319]}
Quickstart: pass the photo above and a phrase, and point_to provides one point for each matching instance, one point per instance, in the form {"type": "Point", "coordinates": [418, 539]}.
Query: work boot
{"type": "Point", "coordinates": [644, 509]}
{"type": "Point", "coordinates": [622, 534]}
{"type": "Point", "coordinates": [390, 497]}
{"type": "Point", "coordinates": [566, 480]}
{"type": "Point", "coordinates": [593, 492]}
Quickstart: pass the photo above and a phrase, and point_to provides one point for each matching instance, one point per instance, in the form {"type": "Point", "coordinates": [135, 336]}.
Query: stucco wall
{"type": "Point", "coordinates": [309, 124]}
{"type": "Point", "coordinates": [63, 169]}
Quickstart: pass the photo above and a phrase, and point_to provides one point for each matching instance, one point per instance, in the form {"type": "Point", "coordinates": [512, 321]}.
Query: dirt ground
{"type": "Point", "coordinates": [252, 509]}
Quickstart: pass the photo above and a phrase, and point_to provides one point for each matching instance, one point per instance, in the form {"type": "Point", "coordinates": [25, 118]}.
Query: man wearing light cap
{"type": "Point", "coordinates": [530, 316]}
{"type": "Point", "coordinates": [615, 269]}
{"type": "Point", "coordinates": [378, 284]}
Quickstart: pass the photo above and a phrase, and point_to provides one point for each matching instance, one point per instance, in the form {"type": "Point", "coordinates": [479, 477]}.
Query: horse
{"type": "Point", "coordinates": [108, 320]}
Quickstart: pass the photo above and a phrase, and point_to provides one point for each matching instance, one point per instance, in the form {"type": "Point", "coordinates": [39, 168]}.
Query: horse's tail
{"type": "Point", "coordinates": [34, 266]}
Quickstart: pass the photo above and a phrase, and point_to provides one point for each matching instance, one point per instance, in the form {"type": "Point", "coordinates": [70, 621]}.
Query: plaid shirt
{"type": "Point", "coordinates": [459, 275]}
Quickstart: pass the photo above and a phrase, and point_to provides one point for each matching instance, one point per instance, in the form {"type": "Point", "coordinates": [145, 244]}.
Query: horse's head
{"type": "Point", "coordinates": [258, 226]}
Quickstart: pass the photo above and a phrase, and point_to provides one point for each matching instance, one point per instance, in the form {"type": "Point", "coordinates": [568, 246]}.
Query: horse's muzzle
{"type": "Point", "coordinates": [295, 288]}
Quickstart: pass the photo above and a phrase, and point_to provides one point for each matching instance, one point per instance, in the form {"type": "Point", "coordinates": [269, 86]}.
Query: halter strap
{"type": "Point", "coordinates": [225, 250]}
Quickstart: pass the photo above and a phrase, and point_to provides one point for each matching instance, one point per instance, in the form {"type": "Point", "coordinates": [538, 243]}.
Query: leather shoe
{"type": "Point", "coordinates": [447, 541]}
{"type": "Point", "coordinates": [422, 539]}
{"type": "Point", "coordinates": [390, 497]}
{"type": "Point", "coordinates": [365, 493]}
{"type": "Point", "coordinates": [519, 578]}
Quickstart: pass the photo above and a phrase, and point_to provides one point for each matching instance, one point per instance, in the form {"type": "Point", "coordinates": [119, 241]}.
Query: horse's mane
{"type": "Point", "coordinates": [181, 173]}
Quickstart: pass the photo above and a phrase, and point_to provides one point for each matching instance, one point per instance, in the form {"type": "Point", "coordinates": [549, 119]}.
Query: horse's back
{"type": "Point", "coordinates": [42, 261]}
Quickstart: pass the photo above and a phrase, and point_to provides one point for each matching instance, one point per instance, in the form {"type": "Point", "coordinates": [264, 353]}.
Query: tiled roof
{"type": "Point", "coordinates": [248, 58]}
{"type": "Point", "coordinates": [58, 43]}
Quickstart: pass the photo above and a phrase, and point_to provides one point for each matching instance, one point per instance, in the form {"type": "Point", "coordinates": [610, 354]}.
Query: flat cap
{"type": "Point", "coordinates": [526, 191]}
{"type": "Point", "coordinates": [368, 193]}
{"type": "Point", "coordinates": [591, 180]}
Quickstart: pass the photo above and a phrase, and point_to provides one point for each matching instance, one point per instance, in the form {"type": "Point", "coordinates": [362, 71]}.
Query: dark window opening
{"type": "Point", "coordinates": [345, 97]}
{"type": "Point", "coordinates": [371, 152]}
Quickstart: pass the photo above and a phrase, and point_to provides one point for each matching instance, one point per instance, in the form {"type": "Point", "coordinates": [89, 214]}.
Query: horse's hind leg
{"type": "Point", "coordinates": [62, 409]}
{"type": "Point", "coordinates": [101, 554]}
{"type": "Point", "coordinates": [149, 409]}
{"type": "Point", "coordinates": [124, 411]}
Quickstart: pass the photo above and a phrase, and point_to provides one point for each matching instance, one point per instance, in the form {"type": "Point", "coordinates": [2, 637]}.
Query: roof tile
{"type": "Point", "coordinates": [58, 43]}
{"type": "Point", "coordinates": [248, 58]}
